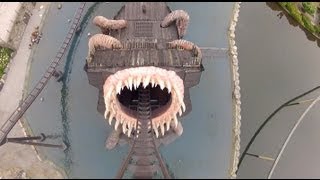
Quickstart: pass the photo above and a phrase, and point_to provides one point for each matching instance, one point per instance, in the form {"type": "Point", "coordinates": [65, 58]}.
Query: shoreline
{"type": "Point", "coordinates": [24, 164]}
{"type": "Point", "coordinates": [24, 123]}
{"type": "Point", "coordinates": [236, 101]}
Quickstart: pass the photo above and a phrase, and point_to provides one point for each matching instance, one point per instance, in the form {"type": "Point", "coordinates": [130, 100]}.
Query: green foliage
{"type": "Point", "coordinates": [317, 29]}
{"type": "Point", "coordinates": [301, 18]}
{"type": "Point", "coordinates": [307, 24]}
{"type": "Point", "coordinates": [4, 59]}
{"type": "Point", "coordinates": [309, 7]}
{"type": "Point", "coordinates": [294, 11]}
{"type": "Point", "coordinates": [283, 4]}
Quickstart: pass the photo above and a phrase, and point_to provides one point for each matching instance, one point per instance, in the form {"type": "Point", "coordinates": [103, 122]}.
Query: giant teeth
{"type": "Point", "coordinates": [107, 109]}
{"type": "Point", "coordinates": [124, 128]}
{"type": "Point", "coordinates": [118, 88]}
{"type": "Point", "coordinates": [162, 129]}
{"type": "Point", "coordinates": [156, 131]}
{"type": "Point", "coordinates": [180, 111]}
{"type": "Point", "coordinates": [127, 83]}
{"type": "Point", "coordinates": [139, 78]}
{"type": "Point", "coordinates": [106, 114]}
{"type": "Point", "coordinates": [168, 125]}
{"type": "Point", "coordinates": [110, 118]}
{"type": "Point", "coordinates": [183, 106]}
{"type": "Point", "coordinates": [175, 121]}
{"type": "Point", "coordinates": [161, 83]}
{"type": "Point", "coordinates": [146, 81]}
{"type": "Point", "coordinates": [135, 125]}
{"type": "Point", "coordinates": [135, 84]}
{"type": "Point", "coordinates": [168, 86]}
{"type": "Point", "coordinates": [130, 82]}
{"type": "Point", "coordinates": [129, 131]}
{"type": "Point", "coordinates": [153, 83]}
{"type": "Point", "coordinates": [116, 125]}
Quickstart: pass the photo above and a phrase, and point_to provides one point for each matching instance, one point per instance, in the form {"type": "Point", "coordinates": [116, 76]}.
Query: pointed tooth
{"type": "Point", "coordinates": [124, 128]}
{"type": "Point", "coordinates": [180, 111]}
{"type": "Point", "coordinates": [161, 84]}
{"type": "Point", "coordinates": [183, 106]}
{"type": "Point", "coordinates": [121, 120]}
{"type": "Point", "coordinates": [139, 78]}
{"type": "Point", "coordinates": [130, 80]}
{"type": "Point", "coordinates": [135, 83]}
{"type": "Point", "coordinates": [168, 125]}
{"type": "Point", "coordinates": [162, 129]}
{"type": "Point", "coordinates": [130, 130]}
{"type": "Point", "coordinates": [146, 81]}
{"type": "Point", "coordinates": [157, 124]}
{"type": "Point", "coordinates": [117, 124]}
{"type": "Point", "coordinates": [118, 88]}
{"type": "Point", "coordinates": [175, 121]}
{"type": "Point", "coordinates": [156, 131]}
{"type": "Point", "coordinates": [153, 82]}
{"type": "Point", "coordinates": [110, 118]}
{"type": "Point", "coordinates": [127, 83]}
{"type": "Point", "coordinates": [106, 114]}
{"type": "Point", "coordinates": [168, 84]}
{"type": "Point", "coordinates": [135, 125]}
{"type": "Point", "coordinates": [107, 109]}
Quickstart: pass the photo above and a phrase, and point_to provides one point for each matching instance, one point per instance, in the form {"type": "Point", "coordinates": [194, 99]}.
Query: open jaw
{"type": "Point", "coordinates": [120, 91]}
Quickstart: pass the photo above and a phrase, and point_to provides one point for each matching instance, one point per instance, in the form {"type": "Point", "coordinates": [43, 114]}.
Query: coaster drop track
{"type": "Point", "coordinates": [143, 159]}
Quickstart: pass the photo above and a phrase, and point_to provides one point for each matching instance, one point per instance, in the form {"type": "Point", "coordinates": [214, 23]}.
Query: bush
{"type": "Point", "coordinates": [283, 4]}
{"type": "Point", "coordinates": [294, 11]}
{"type": "Point", "coordinates": [308, 24]}
{"type": "Point", "coordinates": [4, 59]}
{"type": "Point", "coordinates": [317, 29]}
{"type": "Point", "coordinates": [309, 7]}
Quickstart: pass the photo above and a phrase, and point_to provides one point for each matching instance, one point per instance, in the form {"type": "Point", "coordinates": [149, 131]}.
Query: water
{"type": "Point", "coordinates": [69, 108]}
{"type": "Point", "coordinates": [278, 61]}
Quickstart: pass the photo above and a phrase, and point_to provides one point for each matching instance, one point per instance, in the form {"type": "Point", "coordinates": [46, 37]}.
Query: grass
{"type": "Point", "coordinates": [4, 59]}
{"type": "Point", "coordinates": [305, 21]}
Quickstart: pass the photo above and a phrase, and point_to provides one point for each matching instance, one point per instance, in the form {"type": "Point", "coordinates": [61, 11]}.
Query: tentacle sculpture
{"type": "Point", "coordinates": [107, 24]}
{"type": "Point", "coordinates": [182, 20]}
{"type": "Point", "coordinates": [186, 45]}
{"type": "Point", "coordinates": [102, 41]}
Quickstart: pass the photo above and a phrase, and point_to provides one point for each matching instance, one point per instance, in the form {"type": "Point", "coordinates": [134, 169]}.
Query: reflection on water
{"type": "Point", "coordinates": [276, 63]}
{"type": "Point", "coordinates": [65, 90]}
{"type": "Point", "coordinates": [70, 107]}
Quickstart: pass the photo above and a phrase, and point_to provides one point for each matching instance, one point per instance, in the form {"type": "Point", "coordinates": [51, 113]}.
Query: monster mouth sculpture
{"type": "Point", "coordinates": [122, 86]}
{"type": "Point", "coordinates": [131, 53]}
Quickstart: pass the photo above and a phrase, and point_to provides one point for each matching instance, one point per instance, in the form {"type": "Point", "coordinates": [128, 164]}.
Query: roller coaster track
{"type": "Point", "coordinates": [23, 107]}
{"type": "Point", "coordinates": [143, 155]}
